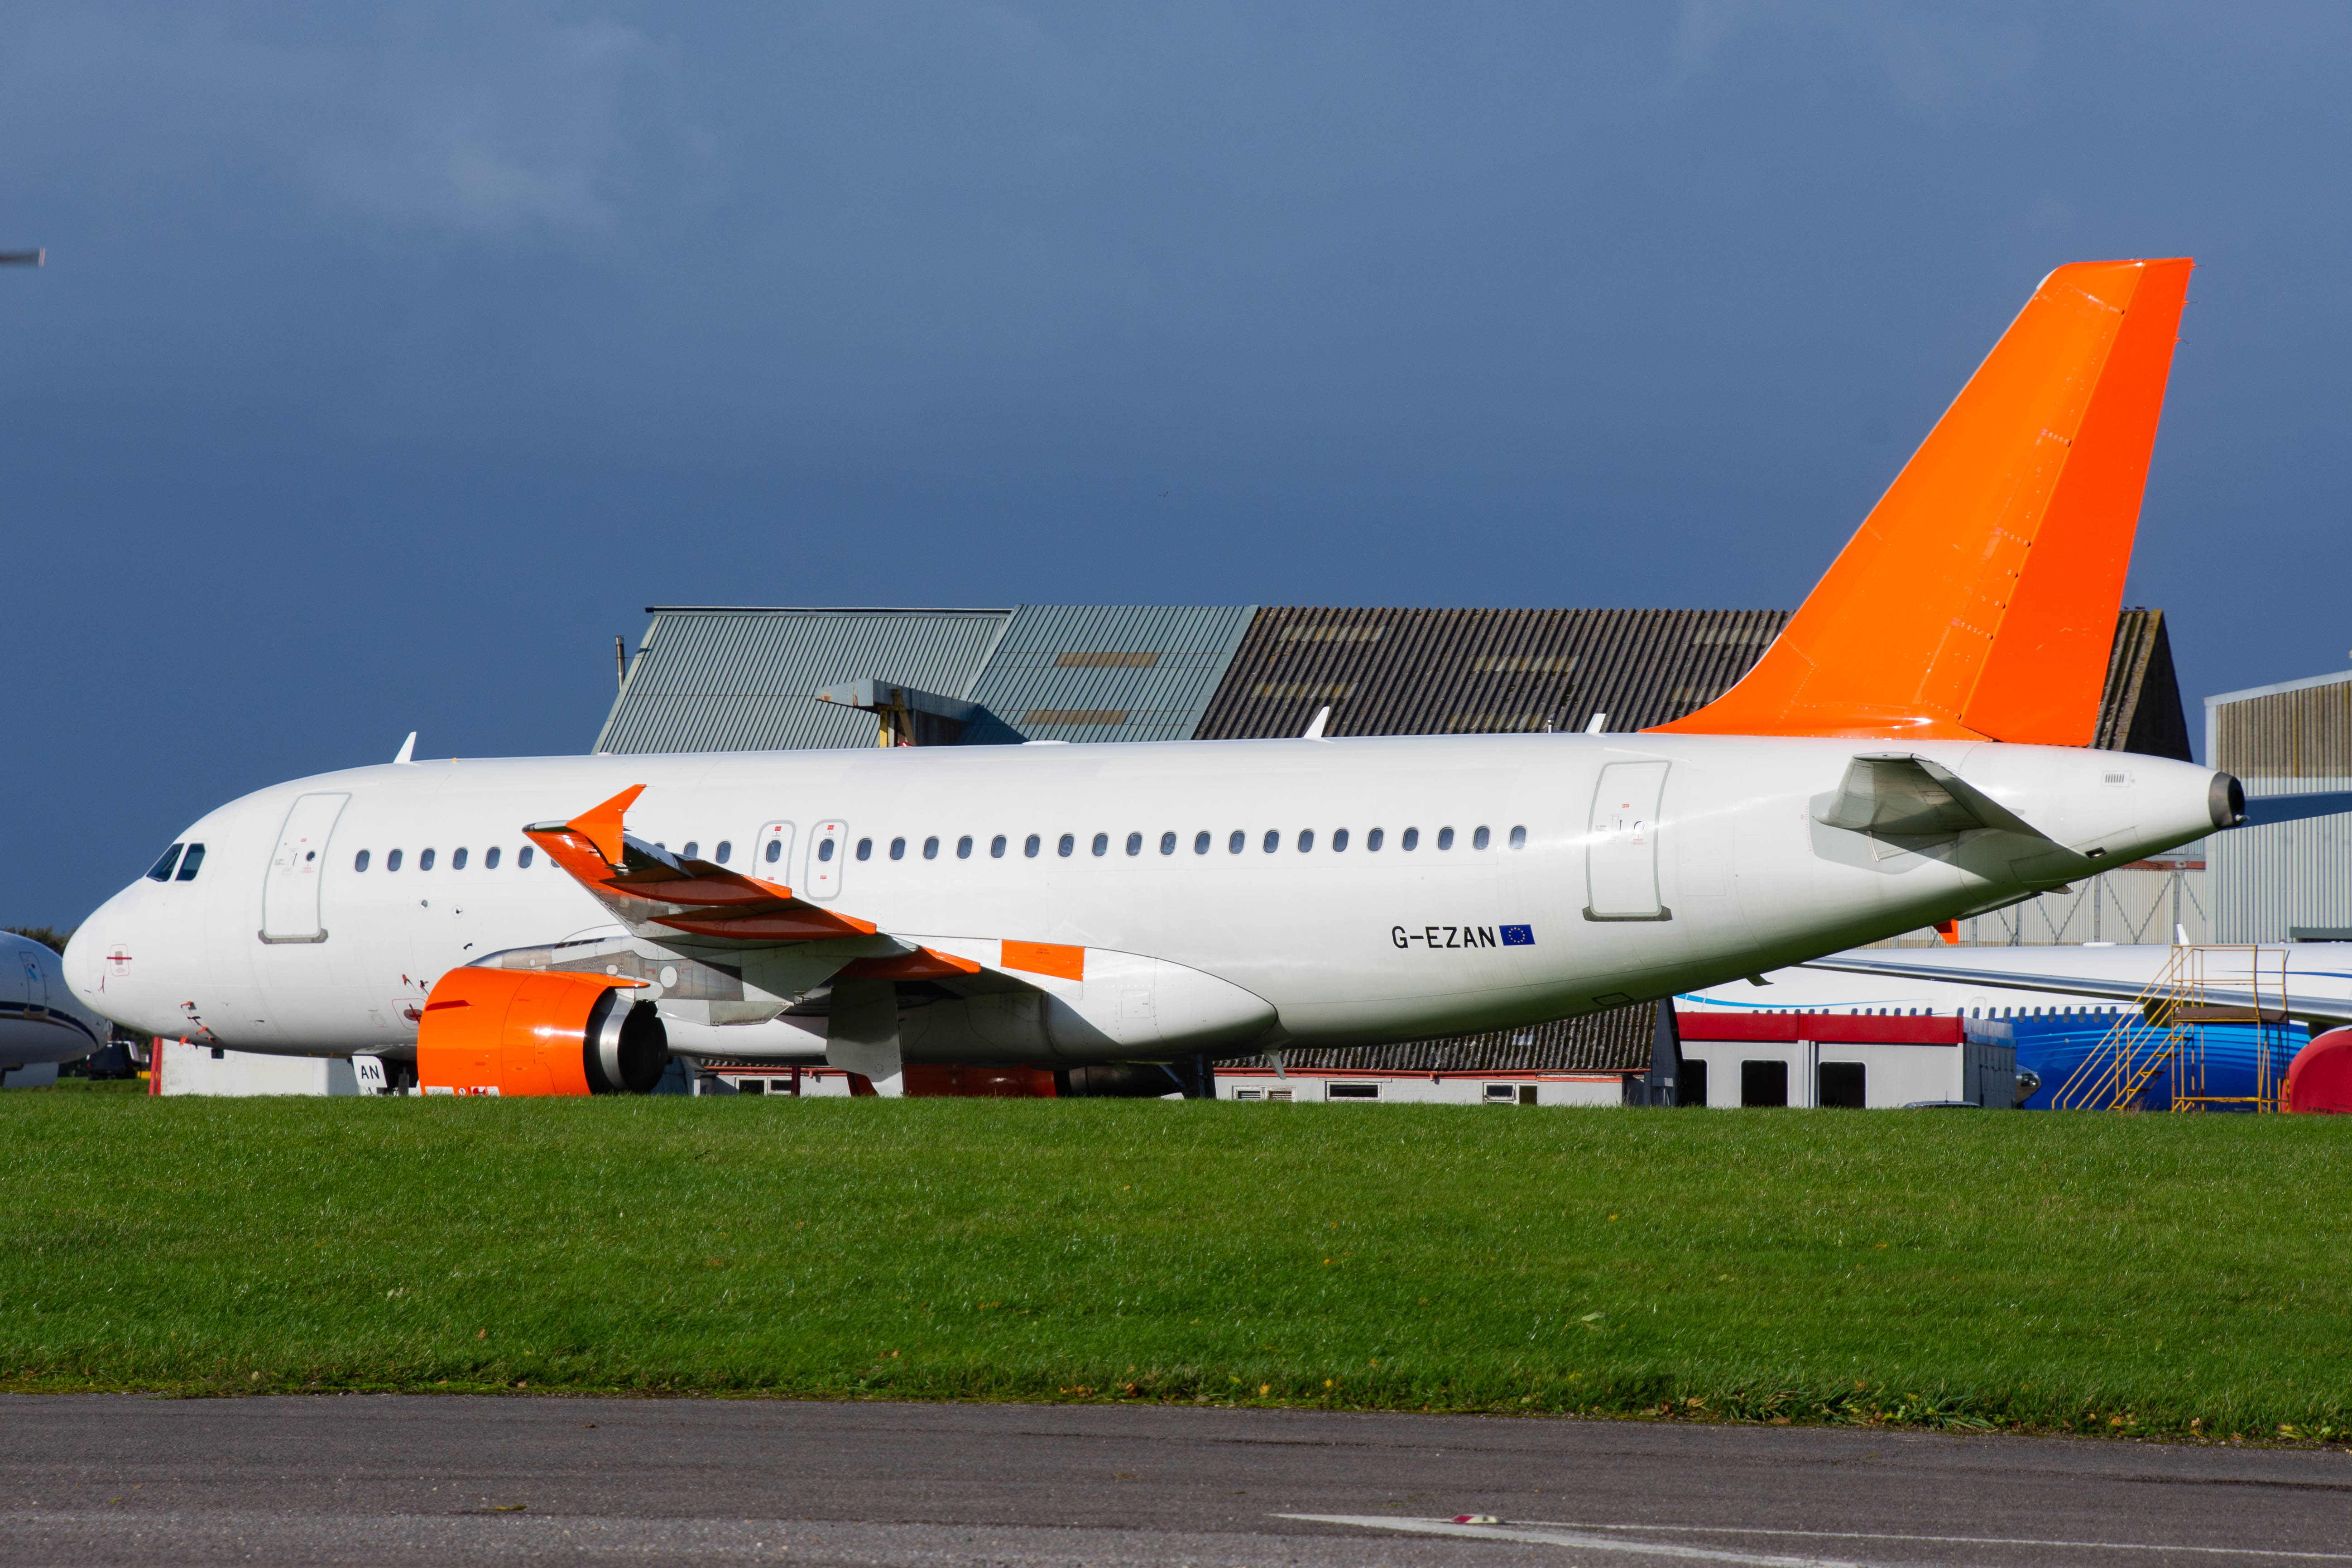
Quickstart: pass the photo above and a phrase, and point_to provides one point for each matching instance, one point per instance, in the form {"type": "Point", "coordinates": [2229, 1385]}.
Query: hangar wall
{"type": "Point", "coordinates": [2290, 880]}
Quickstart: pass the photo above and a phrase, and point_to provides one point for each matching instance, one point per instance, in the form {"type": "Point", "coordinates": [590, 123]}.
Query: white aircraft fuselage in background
{"type": "Point", "coordinates": [1713, 866]}
{"type": "Point", "coordinates": [41, 1020]}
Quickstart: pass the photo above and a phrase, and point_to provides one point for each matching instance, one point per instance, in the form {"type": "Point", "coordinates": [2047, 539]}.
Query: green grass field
{"type": "Point", "coordinates": [2113, 1273]}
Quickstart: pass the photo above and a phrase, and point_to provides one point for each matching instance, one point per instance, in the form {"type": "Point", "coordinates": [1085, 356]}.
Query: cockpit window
{"type": "Point", "coordinates": [190, 862]}
{"type": "Point", "coordinates": [163, 871]}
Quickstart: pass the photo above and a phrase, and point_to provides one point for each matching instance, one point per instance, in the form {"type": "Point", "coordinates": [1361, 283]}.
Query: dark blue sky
{"type": "Point", "coordinates": [388, 361]}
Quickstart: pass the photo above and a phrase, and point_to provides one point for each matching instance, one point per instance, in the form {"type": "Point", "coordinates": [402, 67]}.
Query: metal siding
{"type": "Point", "coordinates": [1618, 1040]}
{"type": "Point", "coordinates": [744, 680]}
{"type": "Point", "coordinates": [1162, 701]}
{"type": "Point", "coordinates": [2290, 740]}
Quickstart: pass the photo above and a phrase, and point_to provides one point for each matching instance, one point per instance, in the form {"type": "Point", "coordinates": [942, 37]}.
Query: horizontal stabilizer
{"type": "Point", "coordinates": [2263, 810]}
{"type": "Point", "coordinates": [1978, 601]}
{"type": "Point", "coordinates": [1895, 796]}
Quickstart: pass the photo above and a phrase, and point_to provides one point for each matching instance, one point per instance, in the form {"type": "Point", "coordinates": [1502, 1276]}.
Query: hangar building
{"type": "Point", "coordinates": [2289, 881]}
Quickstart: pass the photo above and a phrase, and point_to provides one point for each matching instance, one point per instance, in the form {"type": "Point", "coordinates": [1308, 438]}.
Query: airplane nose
{"type": "Point", "coordinates": [84, 956]}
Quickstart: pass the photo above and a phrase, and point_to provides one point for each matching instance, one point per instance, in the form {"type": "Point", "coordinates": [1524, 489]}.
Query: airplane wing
{"type": "Point", "coordinates": [2261, 810]}
{"type": "Point", "coordinates": [2308, 996]}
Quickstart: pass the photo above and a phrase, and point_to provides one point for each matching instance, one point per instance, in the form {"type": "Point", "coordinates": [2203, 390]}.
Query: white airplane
{"type": "Point", "coordinates": [2309, 982]}
{"type": "Point", "coordinates": [1912, 750]}
{"type": "Point", "coordinates": [41, 1023]}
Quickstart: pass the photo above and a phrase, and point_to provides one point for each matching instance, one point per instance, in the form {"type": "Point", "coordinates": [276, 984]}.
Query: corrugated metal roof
{"type": "Point", "coordinates": [2140, 708]}
{"type": "Point", "coordinates": [1619, 1040]}
{"type": "Point", "coordinates": [1427, 672]}
{"type": "Point", "coordinates": [745, 680]}
{"type": "Point", "coordinates": [1105, 672]}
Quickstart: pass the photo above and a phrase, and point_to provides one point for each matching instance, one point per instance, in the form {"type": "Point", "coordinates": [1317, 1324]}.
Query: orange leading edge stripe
{"type": "Point", "coordinates": [1978, 601]}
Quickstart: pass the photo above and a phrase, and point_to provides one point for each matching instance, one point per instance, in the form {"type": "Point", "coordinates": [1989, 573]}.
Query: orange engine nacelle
{"type": "Point", "coordinates": [508, 1031]}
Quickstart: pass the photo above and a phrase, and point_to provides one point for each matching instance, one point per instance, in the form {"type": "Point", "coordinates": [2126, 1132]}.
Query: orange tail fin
{"type": "Point", "coordinates": [1978, 599]}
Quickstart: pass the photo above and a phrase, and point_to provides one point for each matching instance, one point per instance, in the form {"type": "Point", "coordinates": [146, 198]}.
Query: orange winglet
{"type": "Point", "coordinates": [1979, 598]}
{"type": "Point", "coordinates": [600, 825]}
{"type": "Point", "coordinates": [1046, 958]}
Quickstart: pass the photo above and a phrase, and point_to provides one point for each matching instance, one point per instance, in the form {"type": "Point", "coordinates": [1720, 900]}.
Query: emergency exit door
{"type": "Point", "coordinates": [289, 893]}
{"type": "Point", "coordinates": [828, 848]}
{"type": "Point", "coordinates": [1621, 847]}
{"type": "Point", "coordinates": [771, 853]}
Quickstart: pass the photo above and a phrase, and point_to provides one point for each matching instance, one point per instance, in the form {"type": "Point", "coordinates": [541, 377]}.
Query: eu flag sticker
{"type": "Point", "coordinates": [1519, 936]}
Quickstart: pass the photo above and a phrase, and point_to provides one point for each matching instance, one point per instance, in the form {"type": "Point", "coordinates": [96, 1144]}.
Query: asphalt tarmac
{"type": "Point", "coordinates": [455, 1480]}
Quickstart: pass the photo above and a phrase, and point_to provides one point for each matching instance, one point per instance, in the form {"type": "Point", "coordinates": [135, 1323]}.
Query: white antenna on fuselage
{"type": "Point", "coordinates": [1314, 729]}
{"type": "Point", "coordinates": [408, 750]}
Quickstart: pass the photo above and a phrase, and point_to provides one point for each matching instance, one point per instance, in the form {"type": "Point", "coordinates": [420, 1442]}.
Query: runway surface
{"type": "Point", "coordinates": [387, 1479]}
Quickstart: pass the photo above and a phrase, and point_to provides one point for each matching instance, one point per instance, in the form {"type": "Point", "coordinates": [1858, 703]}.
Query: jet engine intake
{"type": "Point", "coordinates": [502, 1031]}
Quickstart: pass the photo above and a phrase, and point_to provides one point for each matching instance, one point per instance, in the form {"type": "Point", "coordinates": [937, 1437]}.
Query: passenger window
{"type": "Point", "coordinates": [1273, 840]}
{"type": "Point", "coordinates": [1168, 844]}
{"type": "Point", "coordinates": [932, 848]}
{"type": "Point", "coordinates": [523, 856]}
{"type": "Point", "coordinates": [359, 861]}
{"type": "Point", "coordinates": [963, 847]}
{"type": "Point", "coordinates": [1445, 838]}
{"type": "Point", "coordinates": [996, 847]}
{"type": "Point", "coordinates": [693, 851]}
{"type": "Point", "coordinates": [457, 860]}
{"type": "Point", "coordinates": [1411, 840]}
{"type": "Point", "coordinates": [1201, 842]}
{"type": "Point", "coordinates": [1029, 846]}
{"type": "Point", "coordinates": [897, 849]}
{"type": "Point", "coordinates": [823, 849]}
{"type": "Point", "coordinates": [1102, 843]}
{"type": "Point", "coordinates": [866, 849]}
{"type": "Point", "coordinates": [1068, 843]}
{"type": "Point", "coordinates": [1338, 841]}
{"type": "Point", "coordinates": [1305, 839]}
{"type": "Point", "coordinates": [392, 861]}
{"type": "Point", "coordinates": [1234, 846]}
{"type": "Point", "coordinates": [161, 870]}
{"type": "Point", "coordinates": [776, 850]}
{"type": "Point", "coordinates": [490, 859]}
{"type": "Point", "coordinates": [725, 848]}
{"type": "Point", "coordinates": [189, 862]}
{"type": "Point", "coordinates": [1373, 840]}
{"type": "Point", "coordinates": [424, 861]}
{"type": "Point", "coordinates": [1479, 838]}
{"type": "Point", "coordinates": [1135, 843]}
{"type": "Point", "coordinates": [1519, 838]}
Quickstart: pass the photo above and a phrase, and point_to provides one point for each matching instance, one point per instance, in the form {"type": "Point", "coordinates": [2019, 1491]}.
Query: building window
{"type": "Point", "coordinates": [1502, 1094]}
{"type": "Point", "coordinates": [1101, 844]}
{"type": "Point", "coordinates": [523, 856]}
{"type": "Point", "coordinates": [1066, 846]}
{"type": "Point", "coordinates": [1249, 1094]}
{"type": "Point", "coordinates": [1479, 838]}
{"type": "Point", "coordinates": [1135, 843]}
{"type": "Point", "coordinates": [1519, 838]}
{"type": "Point", "coordinates": [359, 861]}
{"type": "Point", "coordinates": [1305, 839]}
{"type": "Point", "coordinates": [1351, 1092]}
{"type": "Point", "coordinates": [1445, 838]}
{"type": "Point", "coordinates": [866, 849]}
{"type": "Point", "coordinates": [693, 851]}
{"type": "Point", "coordinates": [1763, 1083]}
{"type": "Point", "coordinates": [1840, 1084]}
{"type": "Point", "coordinates": [897, 850]}
{"type": "Point", "coordinates": [932, 848]}
{"type": "Point", "coordinates": [1338, 841]}
{"type": "Point", "coordinates": [1410, 839]}
{"type": "Point", "coordinates": [1168, 844]}
{"type": "Point", "coordinates": [1235, 845]}
{"type": "Point", "coordinates": [1029, 847]}
{"type": "Point", "coordinates": [1373, 840]}
{"type": "Point", "coordinates": [161, 870]}
{"type": "Point", "coordinates": [457, 859]}
{"type": "Point", "coordinates": [1273, 840]}
{"type": "Point", "coordinates": [724, 850]}
{"type": "Point", "coordinates": [963, 847]}
{"type": "Point", "coordinates": [424, 861]}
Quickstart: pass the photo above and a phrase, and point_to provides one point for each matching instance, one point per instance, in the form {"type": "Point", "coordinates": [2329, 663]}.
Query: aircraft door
{"type": "Point", "coordinates": [1621, 850]}
{"type": "Point", "coordinates": [828, 848]}
{"type": "Point", "coordinates": [36, 984]}
{"type": "Point", "coordinates": [289, 888]}
{"type": "Point", "coordinates": [771, 853]}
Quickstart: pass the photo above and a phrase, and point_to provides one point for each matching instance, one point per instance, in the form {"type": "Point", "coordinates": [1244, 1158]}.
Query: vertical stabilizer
{"type": "Point", "coordinates": [1979, 598]}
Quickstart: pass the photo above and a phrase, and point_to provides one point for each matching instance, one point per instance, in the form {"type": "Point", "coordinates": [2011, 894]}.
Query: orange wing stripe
{"type": "Point", "coordinates": [1046, 958]}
